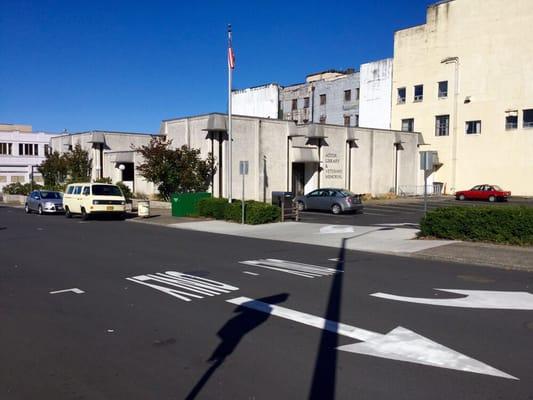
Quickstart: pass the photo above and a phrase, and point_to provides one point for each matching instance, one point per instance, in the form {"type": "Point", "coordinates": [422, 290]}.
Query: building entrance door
{"type": "Point", "coordinates": [298, 179]}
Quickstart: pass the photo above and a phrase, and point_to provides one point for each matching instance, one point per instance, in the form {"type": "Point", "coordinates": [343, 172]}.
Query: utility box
{"type": "Point", "coordinates": [285, 201]}
{"type": "Point", "coordinates": [186, 204]}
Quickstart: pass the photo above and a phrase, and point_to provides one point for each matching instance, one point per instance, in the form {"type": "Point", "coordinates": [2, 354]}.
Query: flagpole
{"type": "Point", "coordinates": [230, 136]}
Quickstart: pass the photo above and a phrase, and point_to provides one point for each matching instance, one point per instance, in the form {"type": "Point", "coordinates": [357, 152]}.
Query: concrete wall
{"type": "Point", "coordinates": [375, 101]}
{"type": "Point", "coordinates": [261, 101]}
{"type": "Point", "coordinates": [492, 40]}
{"type": "Point", "coordinates": [336, 107]}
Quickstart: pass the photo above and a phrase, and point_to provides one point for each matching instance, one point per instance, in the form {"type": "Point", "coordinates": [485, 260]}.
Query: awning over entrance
{"type": "Point", "coordinates": [302, 154]}
{"type": "Point", "coordinates": [121, 156]}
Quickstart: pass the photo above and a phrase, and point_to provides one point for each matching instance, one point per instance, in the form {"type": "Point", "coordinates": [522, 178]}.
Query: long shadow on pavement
{"type": "Point", "coordinates": [232, 333]}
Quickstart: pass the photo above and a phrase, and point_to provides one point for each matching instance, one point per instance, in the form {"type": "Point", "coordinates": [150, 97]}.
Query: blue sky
{"type": "Point", "coordinates": [126, 65]}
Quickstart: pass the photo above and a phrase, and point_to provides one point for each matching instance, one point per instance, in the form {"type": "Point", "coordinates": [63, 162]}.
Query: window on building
{"type": "Point", "coordinates": [442, 125]}
{"type": "Point", "coordinates": [408, 125]}
{"type": "Point", "coordinates": [511, 121]}
{"type": "Point", "coordinates": [47, 150]}
{"type": "Point", "coordinates": [346, 120]}
{"type": "Point", "coordinates": [401, 95]}
{"type": "Point", "coordinates": [527, 118]}
{"type": "Point", "coordinates": [6, 148]}
{"type": "Point", "coordinates": [35, 149]}
{"type": "Point", "coordinates": [347, 95]}
{"type": "Point", "coordinates": [357, 93]}
{"type": "Point", "coordinates": [322, 99]}
{"type": "Point", "coordinates": [28, 149]}
{"type": "Point", "coordinates": [322, 119]}
{"type": "Point", "coordinates": [473, 127]}
{"type": "Point", "coordinates": [443, 89]}
{"type": "Point", "coordinates": [18, 179]}
{"type": "Point", "coordinates": [419, 92]}
{"type": "Point", "coordinates": [356, 120]}
{"type": "Point", "coordinates": [294, 104]}
{"type": "Point", "coordinates": [306, 102]}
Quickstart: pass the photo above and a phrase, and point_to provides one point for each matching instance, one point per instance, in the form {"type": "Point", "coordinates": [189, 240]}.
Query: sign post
{"type": "Point", "coordinates": [243, 170]}
{"type": "Point", "coordinates": [426, 164]}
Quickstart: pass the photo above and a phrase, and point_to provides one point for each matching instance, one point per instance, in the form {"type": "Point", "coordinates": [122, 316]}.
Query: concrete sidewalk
{"type": "Point", "coordinates": [396, 240]}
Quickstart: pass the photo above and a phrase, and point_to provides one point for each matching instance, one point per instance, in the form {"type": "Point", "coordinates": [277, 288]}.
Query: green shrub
{"type": "Point", "coordinates": [505, 224]}
{"type": "Point", "coordinates": [19, 188]}
{"type": "Point", "coordinates": [255, 212]}
{"type": "Point", "coordinates": [126, 191]}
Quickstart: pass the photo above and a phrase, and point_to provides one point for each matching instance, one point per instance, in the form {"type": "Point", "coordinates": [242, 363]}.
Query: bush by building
{"type": "Point", "coordinates": [255, 212]}
{"type": "Point", "coordinates": [506, 225]}
{"type": "Point", "coordinates": [20, 188]}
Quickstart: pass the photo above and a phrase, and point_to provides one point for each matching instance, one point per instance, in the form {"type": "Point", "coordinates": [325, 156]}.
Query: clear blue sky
{"type": "Point", "coordinates": [126, 65]}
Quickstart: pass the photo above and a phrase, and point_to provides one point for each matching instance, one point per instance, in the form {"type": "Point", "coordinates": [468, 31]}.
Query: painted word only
{"type": "Point", "coordinates": [183, 286]}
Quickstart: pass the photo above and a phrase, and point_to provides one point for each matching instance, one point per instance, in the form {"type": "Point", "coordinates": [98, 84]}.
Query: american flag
{"type": "Point", "coordinates": [231, 54]}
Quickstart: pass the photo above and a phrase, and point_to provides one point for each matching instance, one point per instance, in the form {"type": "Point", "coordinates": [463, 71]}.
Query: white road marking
{"type": "Point", "coordinates": [190, 286]}
{"type": "Point", "coordinates": [333, 259]}
{"type": "Point", "coordinates": [399, 344]}
{"type": "Point", "coordinates": [331, 229]}
{"type": "Point", "coordinates": [474, 299]}
{"type": "Point", "coordinates": [74, 290]}
{"type": "Point", "coordinates": [250, 273]}
{"type": "Point", "coordinates": [293, 268]}
{"type": "Point", "coordinates": [381, 215]}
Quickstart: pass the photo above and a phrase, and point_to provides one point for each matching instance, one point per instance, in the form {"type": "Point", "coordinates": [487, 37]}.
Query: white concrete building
{"type": "Point", "coordinates": [112, 155]}
{"type": "Point", "coordinates": [376, 94]}
{"type": "Point", "coordinates": [284, 156]}
{"type": "Point", "coordinates": [260, 101]}
{"type": "Point", "coordinates": [21, 151]}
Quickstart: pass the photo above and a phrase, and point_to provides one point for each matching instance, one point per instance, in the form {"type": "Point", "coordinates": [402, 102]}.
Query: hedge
{"type": "Point", "coordinates": [19, 188]}
{"type": "Point", "coordinates": [496, 224]}
{"type": "Point", "coordinates": [255, 212]}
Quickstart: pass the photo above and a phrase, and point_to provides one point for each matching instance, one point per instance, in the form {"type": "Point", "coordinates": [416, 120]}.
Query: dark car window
{"type": "Point", "coordinates": [50, 195]}
{"type": "Point", "coordinates": [346, 193]}
{"type": "Point", "coordinates": [106, 190]}
{"type": "Point", "coordinates": [86, 191]}
{"type": "Point", "coordinates": [70, 189]}
{"type": "Point", "coordinates": [478, 187]}
{"type": "Point", "coordinates": [315, 193]}
{"type": "Point", "coordinates": [77, 190]}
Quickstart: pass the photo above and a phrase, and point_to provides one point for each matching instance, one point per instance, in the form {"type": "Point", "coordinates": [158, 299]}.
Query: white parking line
{"type": "Point", "coordinates": [250, 273]}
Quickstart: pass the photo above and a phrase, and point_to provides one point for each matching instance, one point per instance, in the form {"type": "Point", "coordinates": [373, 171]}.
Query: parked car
{"type": "Point", "coordinates": [330, 199]}
{"type": "Point", "coordinates": [89, 199]}
{"type": "Point", "coordinates": [44, 202]}
{"type": "Point", "coordinates": [483, 192]}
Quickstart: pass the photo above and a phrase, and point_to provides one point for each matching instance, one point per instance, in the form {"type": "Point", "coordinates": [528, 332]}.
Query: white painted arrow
{"type": "Point", "coordinates": [330, 229]}
{"type": "Point", "coordinates": [399, 344]}
{"type": "Point", "coordinates": [75, 290]}
{"type": "Point", "coordinates": [474, 299]}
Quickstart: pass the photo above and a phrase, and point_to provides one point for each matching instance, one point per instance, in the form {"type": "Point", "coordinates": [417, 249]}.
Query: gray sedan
{"type": "Point", "coordinates": [44, 201]}
{"type": "Point", "coordinates": [334, 200]}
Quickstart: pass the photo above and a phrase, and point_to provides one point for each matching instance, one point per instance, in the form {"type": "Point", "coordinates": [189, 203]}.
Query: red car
{"type": "Point", "coordinates": [483, 192]}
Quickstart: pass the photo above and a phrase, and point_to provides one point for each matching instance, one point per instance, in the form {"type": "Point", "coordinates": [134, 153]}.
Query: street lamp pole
{"type": "Point", "coordinates": [454, 60]}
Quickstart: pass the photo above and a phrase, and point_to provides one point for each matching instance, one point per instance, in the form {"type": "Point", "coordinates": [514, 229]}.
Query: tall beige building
{"type": "Point", "coordinates": [464, 80]}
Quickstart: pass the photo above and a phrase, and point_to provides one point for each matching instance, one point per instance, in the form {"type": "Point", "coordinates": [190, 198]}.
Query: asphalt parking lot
{"type": "Point", "coordinates": [402, 211]}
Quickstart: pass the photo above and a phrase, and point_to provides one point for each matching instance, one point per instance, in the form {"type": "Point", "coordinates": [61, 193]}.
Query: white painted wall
{"type": "Point", "coordinates": [376, 92]}
{"type": "Point", "coordinates": [261, 101]}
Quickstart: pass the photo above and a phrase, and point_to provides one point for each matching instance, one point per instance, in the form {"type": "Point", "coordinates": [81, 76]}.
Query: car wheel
{"type": "Point", "coordinates": [27, 209]}
{"type": "Point", "coordinates": [84, 215]}
{"type": "Point", "coordinates": [300, 205]}
{"type": "Point", "coordinates": [462, 197]}
{"type": "Point", "coordinates": [68, 214]}
{"type": "Point", "coordinates": [336, 209]}
{"type": "Point", "coordinates": [492, 199]}
{"type": "Point", "coordinates": [40, 210]}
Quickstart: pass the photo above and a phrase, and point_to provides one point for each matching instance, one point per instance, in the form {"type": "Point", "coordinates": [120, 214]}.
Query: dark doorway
{"type": "Point", "coordinates": [298, 179]}
{"type": "Point", "coordinates": [128, 172]}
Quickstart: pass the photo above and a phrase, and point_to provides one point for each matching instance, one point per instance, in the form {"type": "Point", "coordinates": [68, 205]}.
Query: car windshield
{"type": "Point", "coordinates": [51, 195]}
{"type": "Point", "coordinates": [496, 187]}
{"type": "Point", "coordinates": [346, 193]}
{"type": "Point", "coordinates": [106, 190]}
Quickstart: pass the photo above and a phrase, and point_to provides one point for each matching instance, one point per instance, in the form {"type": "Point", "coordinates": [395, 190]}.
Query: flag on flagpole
{"type": "Point", "coordinates": [231, 54]}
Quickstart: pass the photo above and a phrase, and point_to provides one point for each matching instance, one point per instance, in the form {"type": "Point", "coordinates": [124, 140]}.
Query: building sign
{"type": "Point", "coordinates": [332, 166]}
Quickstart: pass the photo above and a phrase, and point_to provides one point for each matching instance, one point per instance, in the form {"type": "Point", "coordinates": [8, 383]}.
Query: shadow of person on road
{"type": "Point", "coordinates": [232, 333]}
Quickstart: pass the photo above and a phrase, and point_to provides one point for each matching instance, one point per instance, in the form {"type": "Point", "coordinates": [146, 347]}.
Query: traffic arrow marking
{"type": "Point", "coordinates": [74, 290]}
{"type": "Point", "coordinates": [473, 299]}
{"type": "Point", "coordinates": [400, 344]}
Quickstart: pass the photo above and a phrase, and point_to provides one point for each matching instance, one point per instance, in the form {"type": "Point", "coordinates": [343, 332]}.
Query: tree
{"type": "Point", "coordinates": [73, 166]}
{"type": "Point", "coordinates": [54, 170]}
{"type": "Point", "coordinates": [175, 170]}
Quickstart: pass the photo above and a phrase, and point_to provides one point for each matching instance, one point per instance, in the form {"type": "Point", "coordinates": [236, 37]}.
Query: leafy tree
{"type": "Point", "coordinates": [54, 170]}
{"type": "Point", "coordinates": [78, 164]}
{"type": "Point", "coordinates": [175, 170]}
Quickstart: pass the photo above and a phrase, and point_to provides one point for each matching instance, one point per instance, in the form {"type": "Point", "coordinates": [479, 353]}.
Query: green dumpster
{"type": "Point", "coordinates": [186, 204]}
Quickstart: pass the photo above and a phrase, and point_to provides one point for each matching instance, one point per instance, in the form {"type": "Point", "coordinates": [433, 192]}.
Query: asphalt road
{"type": "Point", "coordinates": [403, 211]}
{"type": "Point", "coordinates": [122, 339]}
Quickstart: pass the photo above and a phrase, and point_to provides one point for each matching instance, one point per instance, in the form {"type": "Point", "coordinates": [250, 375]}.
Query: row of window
{"type": "Point", "coordinates": [323, 99]}
{"type": "Point", "coordinates": [418, 92]}
{"type": "Point", "coordinates": [442, 123]}
{"type": "Point", "coordinates": [25, 149]}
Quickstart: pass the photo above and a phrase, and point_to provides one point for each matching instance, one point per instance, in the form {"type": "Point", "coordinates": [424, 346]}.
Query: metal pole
{"type": "Point", "coordinates": [242, 199]}
{"type": "Point", "coordinates": [230, 136]}
{"type": "Point", "coordinates": [425, 192]}
{"type": "Point", "coordinates": [455, 118]}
